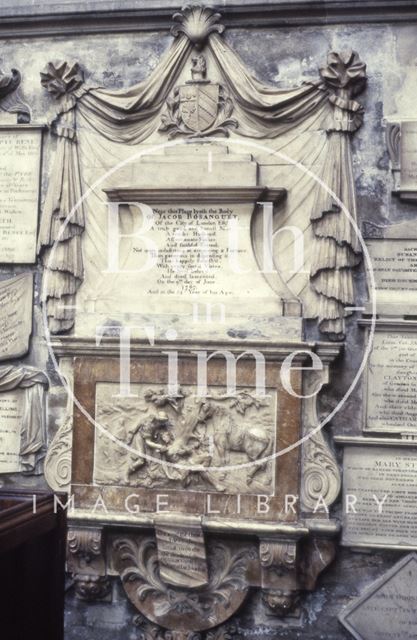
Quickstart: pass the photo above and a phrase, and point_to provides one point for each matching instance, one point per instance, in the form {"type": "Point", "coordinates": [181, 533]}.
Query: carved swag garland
{"type": "Point", "coordinates": [130, 116]}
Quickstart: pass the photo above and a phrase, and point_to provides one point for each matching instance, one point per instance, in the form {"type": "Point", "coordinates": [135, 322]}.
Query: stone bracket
{"type": "Point", "coordinates": [86, 562]}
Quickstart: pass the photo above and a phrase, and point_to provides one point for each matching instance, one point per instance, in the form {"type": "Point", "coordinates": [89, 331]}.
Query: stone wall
{"type": "Point", "coordinates": [284, 56]}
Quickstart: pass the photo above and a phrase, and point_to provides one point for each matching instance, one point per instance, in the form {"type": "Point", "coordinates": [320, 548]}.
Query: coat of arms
{"type": "Point", "coordinates": [199, 107]}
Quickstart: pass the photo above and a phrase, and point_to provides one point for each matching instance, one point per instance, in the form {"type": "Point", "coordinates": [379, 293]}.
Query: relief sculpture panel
{"type": "Point", "coordinates": [185, 431]}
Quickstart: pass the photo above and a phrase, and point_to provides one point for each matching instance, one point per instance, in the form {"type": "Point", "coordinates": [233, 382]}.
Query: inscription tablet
{"type": "Point", "coordinates": [20, 158]}
{"type": "Point", "coordinates": [15, 316]}
{"type": "Point", "coordinates": [380, 497]}
{"type": "Point", "coordinates": [387, 610]}
{"type": "Point", "coordinates": [391, 404]}
{"type": "Point", "coordinates": [11, 417]}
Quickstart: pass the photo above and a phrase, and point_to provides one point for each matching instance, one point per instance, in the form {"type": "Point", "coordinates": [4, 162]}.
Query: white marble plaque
{"type": "Point", "coordinates": [387, 610]}
{"type": "Point", "coordinates": [391, 382]}
{"type": "Point", "coordinates": [20, 158]}
{"type": "Point", "coordinates": [380, 496]}
{"type": "Point", "coordinates": [11, 417]}
{"type": "Point", "coordinates": [15, 315]}
{"type": "Point", "coordinates": [394, 263]}
{"type": "Point", "coordinates": [409, 155]}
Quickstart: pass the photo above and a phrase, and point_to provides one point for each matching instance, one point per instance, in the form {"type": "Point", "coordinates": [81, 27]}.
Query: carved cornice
{"type": "Point", "coordinates": [83, 18]}
{"type": "Point", "coordinates": [185, 195]}
{"type": "Point", "coordinates": [110, 346]}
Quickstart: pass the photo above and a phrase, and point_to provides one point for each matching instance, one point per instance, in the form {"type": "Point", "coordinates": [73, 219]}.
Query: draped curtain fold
{"type": "Point", "coordinates": [131, 116]}
{"type": "Point", "coordinates": [33, 433]}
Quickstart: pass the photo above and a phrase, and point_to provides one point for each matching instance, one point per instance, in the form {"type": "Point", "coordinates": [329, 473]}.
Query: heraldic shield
{"type": "Point", "coordinates": [199, 104]}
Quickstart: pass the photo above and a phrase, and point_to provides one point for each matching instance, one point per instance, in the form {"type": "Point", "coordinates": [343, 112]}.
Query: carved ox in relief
{"type": "Point", "coordinates": [225, 435]}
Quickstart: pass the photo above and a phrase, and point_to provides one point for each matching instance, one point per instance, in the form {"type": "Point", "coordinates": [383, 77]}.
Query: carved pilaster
{"type": "Point", "coordinates": [320, 477]}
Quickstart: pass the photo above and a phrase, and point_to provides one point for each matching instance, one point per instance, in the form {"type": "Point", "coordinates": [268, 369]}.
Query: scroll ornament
{"type": "Point", "coordinates": [337, 249]}
{"type": "Point", "coordinates": [58, 458]}
{"type": "Point", "coordinates": [321, 479]}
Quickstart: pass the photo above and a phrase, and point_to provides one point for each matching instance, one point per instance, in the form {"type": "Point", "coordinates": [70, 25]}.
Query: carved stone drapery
{"type": "Point", "coordinates": [62, 221]}
{"type": "Point", "coordinates": [33, 429]}
{"type": "Point", "coordinates": [337, 249]}
{"type": "Point", "coordinates": [130, 117]}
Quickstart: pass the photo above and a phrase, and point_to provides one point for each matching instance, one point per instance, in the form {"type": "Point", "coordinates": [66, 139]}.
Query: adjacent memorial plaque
{"type": "Point", "coordinates": [409, 155]}
{"type": "Point", "coordinates": [393, 253]}
{"type": "Point", "coordinates": [15, 316]}
{"type": "Point", "coordinates": [20, 158]}
{"type": "Point", "coordinates": [380, 496]}
{"type": "Point", "coordinates": [11, 417]}
{"type": "Point", "coordinates": [390, 403]}
{"type": "Point", "coordinates": [387, 610]}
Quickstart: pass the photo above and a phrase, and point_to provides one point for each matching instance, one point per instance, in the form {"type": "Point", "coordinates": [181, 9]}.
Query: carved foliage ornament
{"type": "Point", "coordinates": [61, 78]}
{"type": "Point", "coordinates": [179, 608]}
{"type": "Point", "coordinates": [197, 23]}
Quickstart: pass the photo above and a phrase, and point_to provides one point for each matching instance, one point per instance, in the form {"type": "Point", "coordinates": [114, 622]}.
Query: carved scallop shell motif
{"type": "Point", "coordinates": [197, 23]}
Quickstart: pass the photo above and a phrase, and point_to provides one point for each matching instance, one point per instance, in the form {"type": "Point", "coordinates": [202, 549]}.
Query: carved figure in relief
{"type": "Point", "coordinates": [178, 440]}
{"type": "Point", "coordinates": [187, 448]}
{"type": "Point", "coordinates": [150, 436]}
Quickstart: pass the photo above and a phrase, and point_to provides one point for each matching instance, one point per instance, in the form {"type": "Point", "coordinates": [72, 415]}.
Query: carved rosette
{"type": "Point", "coordinates": [197, 23]}
{"type": "Point", "coordinates": [321, 481]}
{"type": "Point", "coordinates": [58, 458]}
